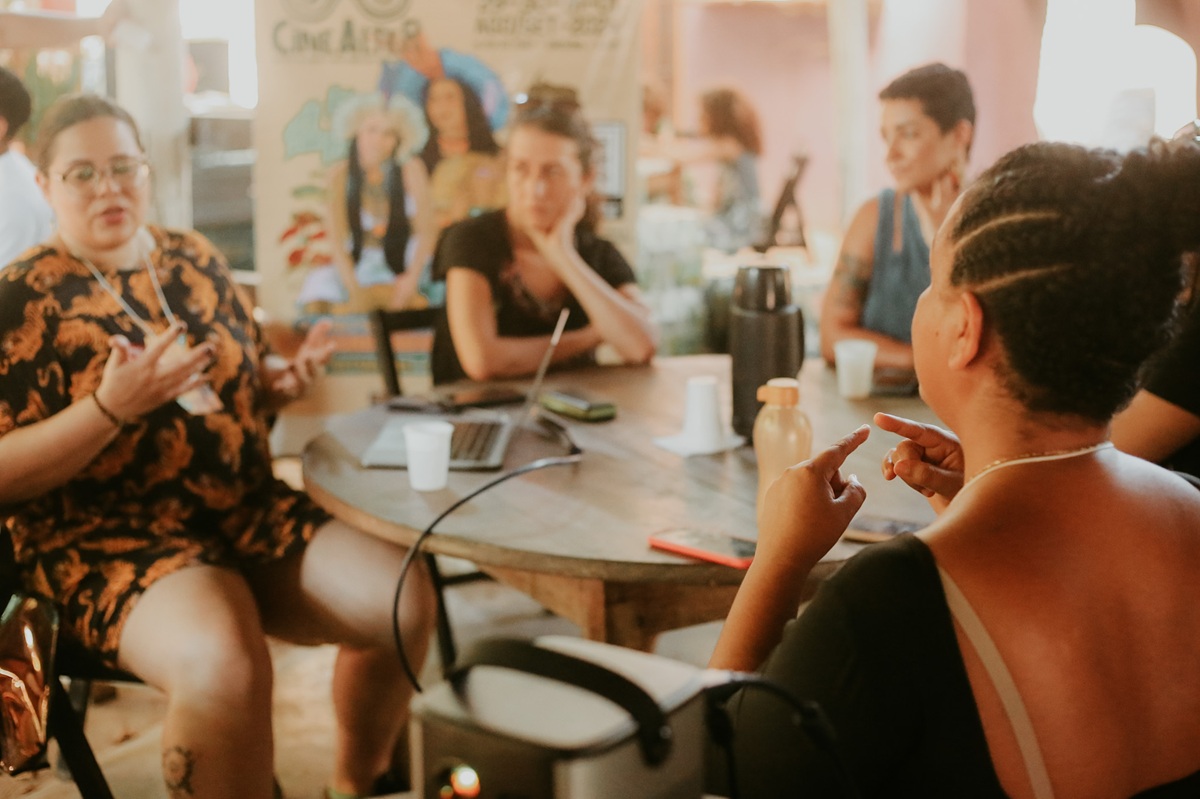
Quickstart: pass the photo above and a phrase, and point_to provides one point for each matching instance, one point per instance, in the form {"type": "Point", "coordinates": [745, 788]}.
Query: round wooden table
{"type": "Point", "coordinates": [575, 538]}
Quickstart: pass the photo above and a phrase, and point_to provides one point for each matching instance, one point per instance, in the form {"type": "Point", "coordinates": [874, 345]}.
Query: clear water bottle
{"type": "Point", "coordinates": [766, 337]}
{"type": "Point", "coordinates": [782, 433]}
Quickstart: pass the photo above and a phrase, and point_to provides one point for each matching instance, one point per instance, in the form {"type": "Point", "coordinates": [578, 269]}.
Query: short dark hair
{"type": "Point", "coordinates": [69, 111]}
{"type": "Point", "coordinates": [944, 93]}
{"type": "Point", "coordinates": [1076, 258]}
{"type": "Point", "coordinates": [15, 103]}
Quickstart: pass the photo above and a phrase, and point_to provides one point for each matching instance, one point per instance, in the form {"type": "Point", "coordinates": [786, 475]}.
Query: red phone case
{"type": "Point", "coordinates": [710, 546]}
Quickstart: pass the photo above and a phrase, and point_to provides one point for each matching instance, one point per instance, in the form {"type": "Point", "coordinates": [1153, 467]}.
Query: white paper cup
{"type": "Point", "coordinates": [855, 359]}
{"type": "Point", "coordinates": [427, 445]}
{"type": "Point", "coordinates": [702, 428]}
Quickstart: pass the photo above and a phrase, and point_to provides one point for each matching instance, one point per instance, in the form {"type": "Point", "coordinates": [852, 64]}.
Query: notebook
{"type": "Point", "coordinates": [480, 439]}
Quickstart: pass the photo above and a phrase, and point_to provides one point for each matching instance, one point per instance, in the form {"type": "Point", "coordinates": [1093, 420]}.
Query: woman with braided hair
{"type": "Point", "coordinates": [1042, 637]}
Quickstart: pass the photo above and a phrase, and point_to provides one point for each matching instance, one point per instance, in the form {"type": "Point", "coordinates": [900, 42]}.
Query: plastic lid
{"type": "Point", "coordinates": [780, 391]}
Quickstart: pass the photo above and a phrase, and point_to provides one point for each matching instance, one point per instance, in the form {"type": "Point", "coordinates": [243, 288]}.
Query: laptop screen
{"type": "Point", "coordinates": [529, 409]}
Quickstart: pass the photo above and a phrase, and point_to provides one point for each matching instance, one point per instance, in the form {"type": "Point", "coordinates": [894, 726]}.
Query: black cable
{"type": "Point", "coordinates": [809, 715]}
{"type": "Point", "coordinates": [574, 455]}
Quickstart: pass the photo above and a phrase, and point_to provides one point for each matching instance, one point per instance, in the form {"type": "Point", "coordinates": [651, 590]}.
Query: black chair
{"type": "Point", "coordinates": [68, 705]}
{"type": "Point", "coordinates": [787, 199]}
{"type": "Point", "coordinates": [383, 324]}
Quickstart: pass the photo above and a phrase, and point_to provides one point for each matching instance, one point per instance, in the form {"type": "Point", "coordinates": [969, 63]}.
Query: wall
{"type": "Point", "coordinates": [779, 56]}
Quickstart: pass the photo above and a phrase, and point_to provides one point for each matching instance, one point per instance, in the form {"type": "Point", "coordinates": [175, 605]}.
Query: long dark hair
{"type": "Point", "coordinates": [479, 131]}
{"type": "Point", "coordinates": [395, 239]}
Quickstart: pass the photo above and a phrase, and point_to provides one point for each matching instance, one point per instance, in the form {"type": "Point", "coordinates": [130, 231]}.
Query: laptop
{"type": "Point", "coordinates": [481, 438]}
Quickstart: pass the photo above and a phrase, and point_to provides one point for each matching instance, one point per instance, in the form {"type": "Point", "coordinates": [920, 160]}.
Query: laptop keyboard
{"type": "Point", "coordinates": [471, 441]}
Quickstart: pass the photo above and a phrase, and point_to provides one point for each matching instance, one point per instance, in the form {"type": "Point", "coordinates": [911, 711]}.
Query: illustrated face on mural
{"type": "Point", "coordinates": [545, 177]}
{"type": "Point", "coordinates": [917, 150]}
{"type": "Point", "coordinates": [377, 140]}
{"type": "Point", "coordinates": [446, 108]}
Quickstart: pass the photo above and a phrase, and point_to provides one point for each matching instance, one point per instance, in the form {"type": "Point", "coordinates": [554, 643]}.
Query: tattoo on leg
{"type": "Point", "coordinates": [179, 766]}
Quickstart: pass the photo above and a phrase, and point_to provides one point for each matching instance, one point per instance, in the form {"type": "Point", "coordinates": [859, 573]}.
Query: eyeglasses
{"type": "Point", "coordinates": [86, 178]}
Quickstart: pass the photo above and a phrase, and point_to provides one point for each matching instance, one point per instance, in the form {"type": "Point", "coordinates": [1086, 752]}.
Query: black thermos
{"type": "Point", "coordinates": [766, 337]}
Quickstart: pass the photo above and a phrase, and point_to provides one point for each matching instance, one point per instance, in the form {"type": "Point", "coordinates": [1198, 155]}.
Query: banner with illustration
{"type": "Point", "coordinates": [382, 121]}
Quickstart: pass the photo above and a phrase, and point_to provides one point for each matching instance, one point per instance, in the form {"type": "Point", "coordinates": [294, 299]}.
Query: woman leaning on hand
{"type": "Point", "coordinates": [136, 479]}
{"type": "Point", "coordinates": [509, 273]}
{"type": "Point", "coordinates": [1042, 637]}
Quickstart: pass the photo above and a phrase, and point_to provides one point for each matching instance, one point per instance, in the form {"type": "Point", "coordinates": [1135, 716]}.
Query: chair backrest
{"type": "Point", "coordinates": [787, 199]}
{"type": "Point", "coordinates": [383, 324]}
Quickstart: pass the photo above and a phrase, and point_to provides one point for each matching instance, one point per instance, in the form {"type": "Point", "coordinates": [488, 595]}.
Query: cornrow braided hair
{"type": "Point", "coordinates": [1076, 258]}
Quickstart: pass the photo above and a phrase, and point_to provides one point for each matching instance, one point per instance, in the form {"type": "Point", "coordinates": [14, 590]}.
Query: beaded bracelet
{"type": "Point", "coordinates": [112, 417]}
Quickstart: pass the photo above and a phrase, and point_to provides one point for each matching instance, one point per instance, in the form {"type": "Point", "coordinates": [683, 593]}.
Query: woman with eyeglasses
{"type": "Point", "coordinates": [137, 485]}
{"type": "Point", "coordinates": [510, 272]}
{"type": "Point", "coordinates": [1042, 637]}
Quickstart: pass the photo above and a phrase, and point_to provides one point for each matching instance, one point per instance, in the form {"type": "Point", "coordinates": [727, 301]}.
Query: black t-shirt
{"type": "Point", "coordinates": [1175, 376]}
{"type": "Point", "coordinates": [483, 245]}
{"type": "Point", "coordinates": [877, 650]}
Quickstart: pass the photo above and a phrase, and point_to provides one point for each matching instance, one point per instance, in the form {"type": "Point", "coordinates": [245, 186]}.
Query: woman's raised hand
{"type": "Point", "coordinates": [809, 506]}
{"type": "Point", "coordinates": [288, 380]}
{"type": "Point", "coordinates": [137, 380]}
{"type": "Point", "coordinates": [929, 460]}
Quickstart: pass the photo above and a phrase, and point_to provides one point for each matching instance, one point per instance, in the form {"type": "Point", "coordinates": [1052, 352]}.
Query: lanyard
{"type": "Point", "coordinates": [116, 295]}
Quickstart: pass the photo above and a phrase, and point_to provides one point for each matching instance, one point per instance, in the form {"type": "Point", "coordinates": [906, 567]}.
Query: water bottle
{"type": "Point", "coordinates": [766, 337]}
{"type": "Point", "coordinates": [782, 432]}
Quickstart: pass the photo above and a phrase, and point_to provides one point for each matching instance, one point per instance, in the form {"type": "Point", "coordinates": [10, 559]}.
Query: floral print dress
{"type": "Point", "coordinates": [172, 489]}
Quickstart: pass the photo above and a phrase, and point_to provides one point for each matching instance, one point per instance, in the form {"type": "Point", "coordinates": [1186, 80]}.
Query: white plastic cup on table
{"type": "Point", "coordinates": [427, 445]}
{"type": "Point", "coordinates": [855, 362]}
{"type": "Point", "coordinates": [702, 428]}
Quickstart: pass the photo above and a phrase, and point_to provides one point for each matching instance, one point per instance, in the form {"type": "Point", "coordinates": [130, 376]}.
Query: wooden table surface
{"type": "Point", "coordinates": [575, 538]}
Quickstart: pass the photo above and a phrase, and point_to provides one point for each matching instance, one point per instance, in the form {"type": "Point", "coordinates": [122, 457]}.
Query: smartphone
{"type": "Point", "coordinates": [711, 545]}
{"type": "Point", "coordinates": [870, 529]}
{"type": "Point", "coordinates": [484, 396]}
{"type": "Point", "coordinates": [577, 405]}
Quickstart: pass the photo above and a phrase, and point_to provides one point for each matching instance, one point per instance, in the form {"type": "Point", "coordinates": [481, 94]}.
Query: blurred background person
{"type": "Point", "coordinates": [732, 139]}
{"type": "Point", "coordinates": [928, 124]}
{"type": "Point", "coordinates": [25, 218]}
{"type": "Point", "coordinates": [510, 272]}
{"type": "Point", "coordinates": [1162, 422]}
{"type": "Point", "coordinates": [381, 220]}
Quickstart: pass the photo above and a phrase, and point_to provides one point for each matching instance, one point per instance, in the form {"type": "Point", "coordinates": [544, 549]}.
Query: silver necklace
{"type": "Point", "coordinates": [1038, 457]}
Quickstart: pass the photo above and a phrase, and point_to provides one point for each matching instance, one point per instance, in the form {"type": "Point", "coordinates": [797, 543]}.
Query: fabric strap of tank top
{"type": "Point", "coordinates": [1014, 706]}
